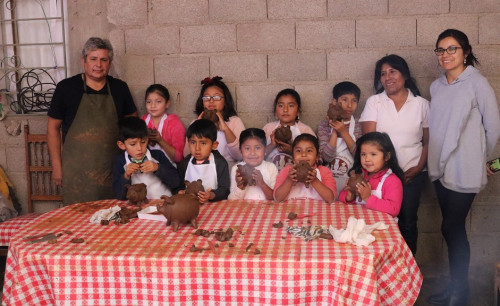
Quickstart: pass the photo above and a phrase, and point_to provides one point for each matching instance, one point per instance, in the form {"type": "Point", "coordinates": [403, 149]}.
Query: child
{"type": "Point", "coordinates": [253, 147]}
{"type": "Point", "coordinates": [205, 162]}
{"type": "Point", "coordinates": [214, 95]}
{"type": "Point", "coordinates": [139, 165]}
{"type": "Point", "coordinates": [321, 184]}
{"type": "Point", "coordinates": [287, 109]}
{"type": "Point", "coordinates": [172, 134]}
{"type": "Point", "coordinates": [375, 157]}
{"type": "Point", "coordinates": [337, 139]}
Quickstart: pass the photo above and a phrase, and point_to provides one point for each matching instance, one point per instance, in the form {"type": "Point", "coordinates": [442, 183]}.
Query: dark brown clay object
{"type": "Point", "coordinates": [231, 245]}
{"type": "Point", "coordinates": [136, 193]}
{"type": "Point", "coordinates": [248, 246]}
{"type": "Point", "coordinates": [53, 241]}
{"type": "Point", "coordinates": [335, 112]}
{"type": "Point", "coordinates": [326, 236]}
{"type": "Point", "coordinates": [202, 232]}
{"type": "Point", "coordinates": [59, 235]}
{"type": "Point", "coordinates": [283, 134]}
{"type": "Point", "coordinates": [117, 221]}
{"type": "Point", "coordinates": [68, 232]}
{"type": "Point", "coordinates": [104, 222]}
{"type": "Point", "coordinates": [292, 216]}
{"type": "Point", "coordinates": [193, 248]}
{"type": "Point", "coordinates": [179, 209]}
{"type": "Point", "coordinates": [211, 115]}
{"type": "Point", "coordinates": [278, 225]}
{"type": "Point", "coordinates": [128, 213]}
{"type": "Point", "coordinates": [194, 187]}
{"type": "Point", "coordinates": [303, 169]}
{"type": "Point", "coordinates": [224, 236]}
{"type": "Point", "coordinates": [246, 172]}
{"type": "Point", "coordinates": [77, 240]}
{"type": "Point", "coordinates": [256, 252]}
{"type": "Point", "coordinates": [152, 133]}
{"type": "Point", "coordinates": [354, 179]}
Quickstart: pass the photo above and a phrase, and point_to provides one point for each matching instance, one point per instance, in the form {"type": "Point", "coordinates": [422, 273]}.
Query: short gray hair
{"type": "Point", "coordinates": [95, 43]}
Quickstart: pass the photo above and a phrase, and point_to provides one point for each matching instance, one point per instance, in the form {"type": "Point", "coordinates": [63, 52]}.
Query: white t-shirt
{"type": "Point", "coordinates": [405, 128]}
{"type": "Point", "coordinates": [269, 173]}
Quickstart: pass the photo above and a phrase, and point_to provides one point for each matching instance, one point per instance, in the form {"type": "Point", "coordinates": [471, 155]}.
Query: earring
{"type": "Point", "coordinates": [465, 61]}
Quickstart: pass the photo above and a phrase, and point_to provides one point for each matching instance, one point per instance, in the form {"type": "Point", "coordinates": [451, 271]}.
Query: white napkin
{"type": "Point", "coordinates": [104, 214]}
{"type": "Point", "coordinates": [356, 232]}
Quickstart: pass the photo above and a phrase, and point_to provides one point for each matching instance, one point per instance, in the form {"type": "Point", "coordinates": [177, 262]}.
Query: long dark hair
{"type": "Point", "coordinates": [398, 63]}
{"type": "Point", "coordinates": [385, 144]}
{"type": "Point", "coordinates": [228, 110]}
{"type": "Point", "coordinates": [288, 92]}
{"type": "Point", "coordinates": [463, 41]}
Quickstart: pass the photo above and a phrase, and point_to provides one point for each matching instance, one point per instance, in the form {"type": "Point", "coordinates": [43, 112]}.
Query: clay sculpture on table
{"type": "Point", "coordinates": [246, 172]}
{"type": "Point", "coordinates": [303, 169]}
{"type": "Point", "coordinates": [283, 134]}
{"type": "Point", "coordinates": [194, 187]}
{"type": "Point", "coordinates": [136, 193]}
{"type": "Point", "coordinates": [354, 179]}
{"type": "Point", "coordinates": [335, 112]}
{"type": "Point", "coordinates": [211, 115]}
{"type": "Point", "coordinates": [152, 133]}
{"type": "Point", "coordinates": [181, 208]}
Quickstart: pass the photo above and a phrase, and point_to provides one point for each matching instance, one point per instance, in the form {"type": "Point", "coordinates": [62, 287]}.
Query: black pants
{"type": "Point", "coordinates": [455, 207]}
{"type": "Point", "coordinates": [407, 218]}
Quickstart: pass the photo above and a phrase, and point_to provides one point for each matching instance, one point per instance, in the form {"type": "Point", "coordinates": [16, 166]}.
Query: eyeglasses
{"type": "Point", "coordinates": [215, 98]}
{"type": "Point", "coordinates": [449, 50]}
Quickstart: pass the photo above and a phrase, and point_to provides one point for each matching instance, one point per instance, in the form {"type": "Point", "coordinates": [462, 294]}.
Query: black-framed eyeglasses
{"type": "Point", "coordinates": [215, 98]}
{"type": "Point", "coordinates": [449, 50]}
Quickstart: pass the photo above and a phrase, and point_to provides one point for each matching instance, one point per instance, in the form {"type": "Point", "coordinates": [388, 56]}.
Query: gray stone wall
{"type": "Point", "coordinates": [261, 47]}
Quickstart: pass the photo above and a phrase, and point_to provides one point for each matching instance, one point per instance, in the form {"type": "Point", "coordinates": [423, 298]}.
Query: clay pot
{"type": "Point", "coordinates": [136, 193]}
{"type": "Point", "coordinates": [354, 179]}
{"type": "Point", "coordinates": [211, 115]}
{"type": "Point", "coordinates": [335, 112]}
{"type": "Point", "coordinates": [303, 169]}
{"type": "Point", "coordinates": [180, 209]}
{"type": "Point", "coordinates": [283, 134]}
{"type": "Point", "coordinates": [194, 187]}
{"type": "Point", "coordinates": [246, 172]}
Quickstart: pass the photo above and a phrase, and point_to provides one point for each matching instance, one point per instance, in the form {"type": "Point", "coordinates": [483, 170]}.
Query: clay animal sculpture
{"type": "Point", "coordinates": [136, 193]}
{"type": "Point", "coordinates": [182, 208]}
{"type": "Point", "coordinates": [283, 134]}
{"type": "Point", "coordinates": [335, 112]}
{"type": "Point", "coordinates": [354, 179]}
{"type": "Point", "coordinates": [246, 172]}
{"type": "Point", "coordinates": [211, 115]}
{"type": "Point", "coordinates": [303, 169]}
{"type": "Point", "coordinates": [152, 133]}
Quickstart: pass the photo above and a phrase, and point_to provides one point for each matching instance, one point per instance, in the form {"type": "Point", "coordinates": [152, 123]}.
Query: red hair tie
{"type": "Point", "coordinates": [210, 80]}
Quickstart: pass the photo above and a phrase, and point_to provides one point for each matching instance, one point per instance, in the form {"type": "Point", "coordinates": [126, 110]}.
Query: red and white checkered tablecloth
{"type": "Point", "coordinates": [145, 263]}
{"type": "Point", "coordinates": [10, 227]}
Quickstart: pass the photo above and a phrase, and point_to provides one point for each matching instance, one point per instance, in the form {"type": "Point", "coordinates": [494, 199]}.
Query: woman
{"type": "Point", "coordinates": [464, 128]}
{"type": "Point", "coordinates": [398, 110]}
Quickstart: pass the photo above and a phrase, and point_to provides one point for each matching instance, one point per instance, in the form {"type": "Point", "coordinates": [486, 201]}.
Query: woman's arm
{"type": "Point", "coordinates": [368, 126]}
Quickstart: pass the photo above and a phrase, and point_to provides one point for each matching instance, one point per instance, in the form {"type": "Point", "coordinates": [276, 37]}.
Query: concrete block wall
{"type": "Point", "coordinates": [263, 46]}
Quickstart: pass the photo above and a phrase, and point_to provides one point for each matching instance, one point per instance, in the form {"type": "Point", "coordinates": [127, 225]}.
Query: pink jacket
{"type": "Point", "coordinates": [173, 133]}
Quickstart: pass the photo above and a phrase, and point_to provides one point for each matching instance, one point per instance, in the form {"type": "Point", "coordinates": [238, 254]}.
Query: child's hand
{"type": "Point", "coordinates": [149, 166]}
{"type": "Point", "coordinates": [131, 169]}
{"type": "Point", "coordinates": [284, 147]}
{"type": "Point", "coordinates": [239, 180]}
{"type": "Point", "coordinates": [364, 190]}
{"type": "Point", "coordinates": [292, 175]}
{"type": "Point", "coordinates": [222, 126]}
{"type": "Point", "coordinates": [205, 196]}
{"type": "Point", "coordinates": [156, 136]}
{"type": "Point", "coordinates": [339, 127]}
{"type": "Point", "coordinates": [349, 196]}
{"type": "Point", "coordinates": [257, 176]}
{"type": "Point", "coordinates": [311, 177]}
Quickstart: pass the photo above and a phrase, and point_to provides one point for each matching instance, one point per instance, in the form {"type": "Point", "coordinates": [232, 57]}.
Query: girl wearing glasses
{"type": "Point", "coordinates": [215, 95]}
{"type": "Point", "coordinates": [464, 126]}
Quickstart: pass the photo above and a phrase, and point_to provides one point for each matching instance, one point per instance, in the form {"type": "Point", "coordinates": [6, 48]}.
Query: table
{"type": "Point", "coordinates": [145, 262]}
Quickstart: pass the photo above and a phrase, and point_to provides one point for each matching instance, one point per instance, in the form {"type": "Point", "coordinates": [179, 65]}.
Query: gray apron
{"type": "Point", "coordinates": [89, 149]}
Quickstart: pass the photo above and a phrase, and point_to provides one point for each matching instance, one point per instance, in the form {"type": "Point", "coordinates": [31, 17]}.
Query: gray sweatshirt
{"type": "Point", "coordinates": [464, 127]}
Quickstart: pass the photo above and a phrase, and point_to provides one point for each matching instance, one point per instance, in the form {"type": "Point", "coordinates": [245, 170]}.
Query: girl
{"type": "Point", "coordinates": [375, 157]}
{"type": "Point", "coordinates": [253, 147]}
{"type": "Point", "coordinates": [214, 95]}
{"type": "Point", "coordinates": [464, 128]}
{"type": "Point", "coordinates": [171, 136]}
{"type": "Point", "coordinates": [320, 182]}
{"type": "Point", "coordinates": [287, 109]}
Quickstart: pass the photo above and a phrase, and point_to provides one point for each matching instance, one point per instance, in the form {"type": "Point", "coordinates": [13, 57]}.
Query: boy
{"type": "Point", "coordinates": [337, 139]}
{"type": "Point", "coordinates": [205, 162]}
{"type": "Point", "coordinates": [139, 165]}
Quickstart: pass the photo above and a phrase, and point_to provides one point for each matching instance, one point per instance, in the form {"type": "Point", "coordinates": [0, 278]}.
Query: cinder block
{"type": "Point", "coordinates": [181, 70]}
{"type": "Point", "coordinates": [326, 34]}
{"type": "Point", "coordinates": [489, 57]}
{"type": "Point", "coordinates": [422, 62]}
{"type": "Point", "coordinates": [258, 98]}
{"type": "Point", "coordinates": [471, 7]}
{"type": "Point", "coordinates": [208, 38]}
{"type": "Point", "coordinates": [256, 120]}
{"type": "Point", "coordinates": [429, 218]}
{"type": "Point", "coordinates": [228, 10]}
{"type": "Point", "coordinates": [432, 254]}
{"type": "Point", "coordinates": [128, 12]}
{"type": "Point", "coordinates": [312, 118]}
{"type": "Point", "coordinates": [484, 218]}
{"type": "Point", "coordinates": [315, 98]}
{"type": "Point", "coordinates": [297, 67]}
{"type": "Point", "coordinates": [183, 100]}
{"type": "Point", "coordinates": [240, 68]}
{"type": "Point", "coordinates": [18, 179]}
{"type": "Point", "coordinates": [353, 65]}
{"type": "Point", "coordinates": [137, 70]}
{"type": "Point", "coordinates": [138, 92]}
{"type": "Point", "coordinates": [346, 8]}
{"type": "Point", "coordinates": [5, 138]}
{"type": "Point", "coordinates": [488, 33]}
{"type": "Point", "coordinates": [423, 85]}
{"type": "Point", "coordinates": [386, 33]}
{"type": "Point", "coordinates": [152, 40]}
{"type": "Point", "coordinates": [179, 11]}
{"type": "Point", "coordinates": [17, 159]}
{"type": "Point", "coordinates": [266, 36]}
{"type": "Point", "coordinates": [117, 39]}
{"type": "Point", "coordinates": [418, 7]}
{"type": "Point", "coordinates": [3, 156]}
{"type": "Point", "coordinates": [485, 247]}
{"type": "Point", "coordinates": [429, 28]}
{"type": "Point", "coordinates": [296, 9]}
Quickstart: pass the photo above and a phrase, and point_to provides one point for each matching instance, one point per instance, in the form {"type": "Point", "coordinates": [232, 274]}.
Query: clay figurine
{"type": "Point", "coordinates": [152, 133]}
{"type": "Point", "coordinates": [136, 193]}
{"type": "Point", "coordinates": [283, 134]}
{"type": "Point", "coordinates": [211, 115]}
{"type": "Point", "coordinates": [303, 169]}
{"type": "Point", "coordinates": [354, 179]}
{"type": "Point", "coordinates": [194, 187]}
{"type": "Point", "coordinates": [246, 172]}
{"type": "Point", "coordinates": [335, 112]}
